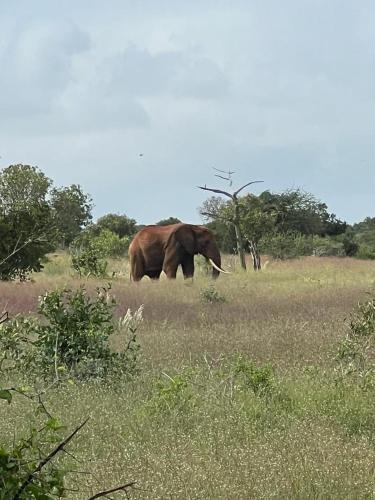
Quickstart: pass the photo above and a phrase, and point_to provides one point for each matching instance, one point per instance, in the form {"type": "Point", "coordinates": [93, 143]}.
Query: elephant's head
{"type": "Point", "coordinates": [199, 240]}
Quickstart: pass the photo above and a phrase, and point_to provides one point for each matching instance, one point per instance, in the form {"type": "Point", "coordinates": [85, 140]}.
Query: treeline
{"type": "Point", "coordinates": [37, 217]}
{"type": "Point", "coordinates": [288, 224]}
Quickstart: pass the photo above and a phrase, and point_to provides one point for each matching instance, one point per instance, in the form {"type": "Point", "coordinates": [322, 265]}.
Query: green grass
{"type": "Point", "coordinates": [193, 424]}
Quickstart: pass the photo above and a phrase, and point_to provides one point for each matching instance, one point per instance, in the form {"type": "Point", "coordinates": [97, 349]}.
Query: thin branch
{"type": "Point", "coordinates": [224, 171]}
{"type": "Point", "coordinates": [245, 185]}
{"type": "Point", "coordinates": [216, 191]}
{"type": "Point", "coordinates": [48, 458]}
{"type": "Point", "coordinates": [113, 490]}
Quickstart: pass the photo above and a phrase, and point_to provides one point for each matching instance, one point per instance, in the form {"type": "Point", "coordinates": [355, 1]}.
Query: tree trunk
{"type": "Point", "coordinates": [257, 265]}
{"type": "Point", "coordinates": [237, 228]}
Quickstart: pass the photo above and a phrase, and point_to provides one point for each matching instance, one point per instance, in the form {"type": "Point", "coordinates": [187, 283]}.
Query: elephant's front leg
{"type": "Point", "coordinates": [187, 265]}
{"type": "Point", "coordinates": [170, 265]}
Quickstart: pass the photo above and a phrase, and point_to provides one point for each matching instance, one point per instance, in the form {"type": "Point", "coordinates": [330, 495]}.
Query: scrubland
{"type": "Point", "coordinates": [238, 397]}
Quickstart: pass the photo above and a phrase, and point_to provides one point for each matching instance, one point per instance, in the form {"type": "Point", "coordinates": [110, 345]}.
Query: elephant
{"type": "Point", "coordinates": [163, 248]}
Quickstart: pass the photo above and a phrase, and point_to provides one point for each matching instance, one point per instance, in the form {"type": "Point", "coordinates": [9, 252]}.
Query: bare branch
{"type": "Point", "coordinates": [113, 490]}
{"type": "Point", "coordinates": [4, 317]}
{"type": "Point", "coordinates": [216, 191]}
{"type": "Point", "coordinates": [16, 250]}
{"type": "Point", "coordinates": [241, 188]}
{"type": "Point", "coordinates": [222, 177]}
{"type": "Point", "coordinates": [213, 215]}
{"type": "Point", "coordinates": [224, 171]}
{"type": "Point", "coordinates": [48, 458]}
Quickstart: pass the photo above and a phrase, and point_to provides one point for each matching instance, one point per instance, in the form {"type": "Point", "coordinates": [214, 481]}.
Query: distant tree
{"type": "Point", "coordinates": [233, 215]}
{"type": "Point", "coordinates": [167, 222]}
{"type": "Point", "coordinates": [27, 231]}
{"type": "Point", "coordinates": [300, 212]}
{"type": "Point", "coordinates": [121, 225]}
{"type": "Point", "coordinates": [72, 212]}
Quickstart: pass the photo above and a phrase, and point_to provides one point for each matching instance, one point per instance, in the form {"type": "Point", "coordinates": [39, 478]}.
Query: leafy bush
{"type": "Point", "coordinates": [20, 473]}
{"type": "Point", "coordinates": [357, 350]}
{"type": "Point", "coordinates": [259, 379]}
{"type": "Point", "coordinates": [211, 295]}
{"type": "Point", "coordinates": [287, 245]}
{"type": "Point", "coordinates": [72, 336]}
{"type": "Point", "coordinates": [90, 250]}
{"type": "Point", "coordinates": [366, 252]}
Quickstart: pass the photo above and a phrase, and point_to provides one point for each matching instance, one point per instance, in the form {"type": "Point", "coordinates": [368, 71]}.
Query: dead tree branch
{"type": "Point", "coordinates": [48, 458]}
{"type": "Point", "coordinates": [124, 487]}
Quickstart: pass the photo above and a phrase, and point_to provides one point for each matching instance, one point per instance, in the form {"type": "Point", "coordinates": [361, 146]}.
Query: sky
{"type": "Point", "coordinates": [138, 101]}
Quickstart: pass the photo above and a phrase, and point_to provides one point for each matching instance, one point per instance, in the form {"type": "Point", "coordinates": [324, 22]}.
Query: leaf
{"type": "Point", "coordinates": [5, 394]}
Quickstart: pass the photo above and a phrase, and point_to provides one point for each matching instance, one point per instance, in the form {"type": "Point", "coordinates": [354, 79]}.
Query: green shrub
{"type": "Point", "coordinates": [90, 250]}
{"type": "Point", "coordinates": [258, 379]}
{"type": "Point", "coordinates": [210, 295]}
{"type": "Point", "coordinates": [19, 474]}
{"type": "Point", "coordinates": [72, 336]}
{"type": "Point", "coordinates": [287, 245]}
{"type": "Point", "coordinates": [366, 252]}
{"type": "Point", "coordinates": [357, 350]}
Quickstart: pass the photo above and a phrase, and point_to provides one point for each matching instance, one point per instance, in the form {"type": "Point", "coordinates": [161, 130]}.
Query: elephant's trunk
{"type": "Point", "coordinates": [215, 260]}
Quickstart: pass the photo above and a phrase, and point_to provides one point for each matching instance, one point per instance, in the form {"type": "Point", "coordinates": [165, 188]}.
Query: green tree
{"type": "Point", "coordinates": [72, 212]}
{"type": "Point", "coordinates": [27, 232]}
{"type": "Point", "coordinates": [121, 225]}
{"type": "Point", "coordinates": [297, 211]}
{"type": "Point", "coordinates": [167, 222]}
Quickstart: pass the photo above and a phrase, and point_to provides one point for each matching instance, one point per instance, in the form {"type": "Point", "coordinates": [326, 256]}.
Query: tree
{"type": "Point", "coordinates": [233, 215]}
{"type": "Point", "coordinates": [254, 223]}
{"type": "Point", "coordinates": [167, 222]}
{"type": "Point", "coordinates": [300, 212]}
{"type": "Point", "coordinates": [27, 232]}
{"type": "Point", "coordinates": [72, 212]}
{"type": "Point", "coordinates": [121, 225]}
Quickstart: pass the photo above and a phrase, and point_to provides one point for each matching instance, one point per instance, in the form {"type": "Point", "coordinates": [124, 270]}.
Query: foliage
{"type": "Point", "coordinates": [91, 248]}
{"type": "Point", "coordinates": [18, 465]}
{"type": "Point", "coordinates": [87, 261]}
{"type": "Point", "coordinates": [268, 215]}
{"type": "Point", "coordinates": [121, 225]}
{"type": "Point", "coordinates": [258, 379]}
{"type": "Point", "coordinates": [27, 232]}
{"type": "Point", "coordinates": [299, 211]}
{"type": "Point", "coordinates": [287, 246]}
{"type": "Point", "coordinates": [72, 336]}
{"type": "Point", "coordinates": [351, 247]}
{"type": "Point", "coordinates": [72, 212]}
{"type": "Point", "coordinates": [168, 221]}
{"type": "Point", "coordinates": [211, 295]}
{"type": "Point", "coordinates": [357, 350]}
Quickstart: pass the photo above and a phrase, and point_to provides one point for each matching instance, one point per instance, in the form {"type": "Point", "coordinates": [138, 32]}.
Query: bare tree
{"type": "Point", "coordinates": [236, 221]}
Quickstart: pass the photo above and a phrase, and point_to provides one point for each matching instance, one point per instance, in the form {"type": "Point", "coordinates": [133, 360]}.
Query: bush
{"type": "Point", "coordinates": [366, 252]}
{"type": "Point", "coordinates": [357, 351]}
{"type": "Point", "coordinates": [18, 465]}
{"type": "Point", "coordinates": [210, 295]}
{"type": "Point", "coordinates": [259, 379]}
{"type": "Point", "coordinates": [90, 250]}
{"type": "Point", "coordinates": [287, 245]}
{"type": "Point", "coordinates": [72, 336]}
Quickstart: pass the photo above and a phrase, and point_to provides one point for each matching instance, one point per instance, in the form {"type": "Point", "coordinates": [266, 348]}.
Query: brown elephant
{"type": "Point", "coordinates": [163, 248]}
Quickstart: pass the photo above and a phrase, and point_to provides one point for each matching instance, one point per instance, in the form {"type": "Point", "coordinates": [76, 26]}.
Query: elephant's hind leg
{"type": "Point", "coordinates": [137, 269]}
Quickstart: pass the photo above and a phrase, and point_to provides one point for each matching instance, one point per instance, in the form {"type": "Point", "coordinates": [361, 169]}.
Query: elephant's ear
{"type": "Point", "coordinates": [185, 237]}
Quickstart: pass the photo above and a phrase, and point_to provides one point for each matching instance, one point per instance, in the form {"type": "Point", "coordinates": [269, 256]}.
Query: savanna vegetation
{"type": "Point", "coordinates": [257, 385]}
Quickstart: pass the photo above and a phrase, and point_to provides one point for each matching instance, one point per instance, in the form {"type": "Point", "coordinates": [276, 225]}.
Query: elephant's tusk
{"type": "Point", "coordinates": [217, 267]}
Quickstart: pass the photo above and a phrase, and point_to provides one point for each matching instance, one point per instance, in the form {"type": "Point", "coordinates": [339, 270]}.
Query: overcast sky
{"type": "Point", "coordinates": [282, 91]}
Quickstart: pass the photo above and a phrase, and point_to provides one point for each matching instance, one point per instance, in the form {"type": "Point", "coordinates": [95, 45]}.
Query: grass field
{"type": "Point", "coordinates": [194, 424]}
